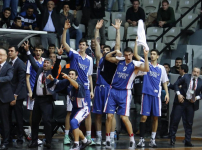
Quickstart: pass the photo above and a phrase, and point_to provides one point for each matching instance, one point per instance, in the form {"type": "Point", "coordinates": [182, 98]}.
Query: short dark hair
{"type": "Point", "coordinates": [165, 1]}
{"type": "Point", "coordinates": [178, 58]}
{"type": "Point", "coordinates": [51, 45]}
{"type": "Point", "coordinates": [107, 46]}
{"type": "Point", "coordinates": [185, 68]}
{"type": "Point", "coordinates": [132, 1]}
{"type": "Point", "coordinates": [167, 64]}
{"type": "Point", "coordinates": [15, 47]}
{"type": "Point", "coordinates": [17, 18]}
{"type": "Point", "coordinates": [48, 59]}
{"type": "Point", "coordinates": [83, 40]}
{"type": "Point", "coordinates": [128, 49]}
{"type": "Point", "coordinates": [74, 71]}
{"type": "Point", "coordinates": [7, 9]}
{"type": "Point", "coordinates": [38, 47]}
{"type": "Point", "coordinates": [155, 50]}
{"type": "Point", "coordinates": [30, 7]}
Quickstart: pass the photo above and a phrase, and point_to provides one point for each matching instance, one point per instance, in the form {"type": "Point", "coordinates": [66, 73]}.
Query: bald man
{"type": "Point", "coordinates": [6, 96]}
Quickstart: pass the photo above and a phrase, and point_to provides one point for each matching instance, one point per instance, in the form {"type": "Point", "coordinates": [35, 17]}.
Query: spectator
{"type": "Point", "coordinates": [167, 67]}
{"type": "Point", "coordinates": [51, 50]}
{"type": "Point", "coordinates": [97, 13]}
{"type": "Point", "coordinates": [111, 2]}
{"type": "Point", "coordinates": [4, 18]}
{"type": "Point", "coordinates": [175, 69]}
{"type": "Point", "coordinates": [133, 14]}
{"type": "Point", "coordinates": [74, 31]}
{"type": "Point", "coordinates": [17, 24]}
{"type": "Point", "coordinates": [165, 15]}
{"type": "Point", "coordinates": [14, 6]}
{"type": "Point", "coordinates": [29, 19]}
{"type": "Point", "coordinates": [26, 3]}
{"type": "Point", "coordinates": [49, 22]}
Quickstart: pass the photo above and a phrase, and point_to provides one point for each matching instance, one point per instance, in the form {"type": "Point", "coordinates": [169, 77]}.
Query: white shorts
{"type": "Point", "coordinates": [30, 103]}
{"type": "Point", "coordinates": [69, 104]}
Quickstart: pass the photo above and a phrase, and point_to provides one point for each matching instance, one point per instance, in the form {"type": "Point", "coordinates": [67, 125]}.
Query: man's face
{"type": "Point", "coordinates": [105, 51]}
{"type": "Point", "coordinates": [92, 44]}
{"type": "Point", "coordinates": [47, 65]}
{"type": "Point", "coordinates": [53, 57]}
{"type": "Point", "coordinates": [3, 56]}
{"type": "Point", "coordinates": [178, 63]}
{"type": "Point", "coordinates": [165, 6]}
{"type": "Point", "coordinates": [12, 53]}
{"type": "Point", "coordinates": [73, 75]}
{"type": "Point", "coordinates": [181, 72]}
{"type": "Point", "coordinates": [30, 12]}
{"type": "Point", "coordinates": [154, 56]}
{"type": "Point", "coordinates": [196, 72]}
{"type": "Point", "coordinates": [18, 23]}
{"type": "Point", "coordinates": [135, 5]}
{"type": "Point", "coordinates": [167, 68]}
{"type": "Point", "coordinates": [66, 8]}
{"type": "Point", "coordinates": [7, 14]}
{"type": "Point", "coordinates": [128, 57]}
{"type": "Point", "coordinates": [50, 5]}
{"type": "Point", "coordinates": [82, 46]}
{"type": "Point", "coordinates": [51, 49]}
{"type": "Point", "coordinates": [38, 53]}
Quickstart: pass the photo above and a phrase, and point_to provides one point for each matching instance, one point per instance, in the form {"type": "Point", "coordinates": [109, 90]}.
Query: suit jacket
{"type": "Point", "coordinates": [55, 16]}
{"type": "Point", "coordinates": [39, 70]}
{"type": "Point", "coordinates": [6, 75]}
{"type": "Point", "coordinates": [19, 78]}
{"type": "Point", "coordinates": [185, 81]}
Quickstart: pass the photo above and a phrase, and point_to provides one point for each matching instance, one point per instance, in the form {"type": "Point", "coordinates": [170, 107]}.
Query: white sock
{"type": "Point", "coordinates": [107, 136]}
{"type": "Point", "coordinates": [66, 132]}
{"type": "Point", "coordinates": [132, 138]}
{"type": "Point", "coordinates": [153, 135]}
{"type": "Point", "coordinates": [88, 133]}
{"type": "Point", "coordinates": [112, 134]}
{"type": "Point", "coordinates": [84, 140]}
{"type": "Point", "coordinates": [77, 142]}
{"type": "Point", "coordinates": [99, 133]}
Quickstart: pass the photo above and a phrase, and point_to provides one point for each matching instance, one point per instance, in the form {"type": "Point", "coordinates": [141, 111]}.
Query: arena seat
{"type": "Point", "coordinates": [186, 20]}
{"type": "Point", "coordinates": [72, 44]}
{"type": "Point", "coordinates": [198, 9]}
{"type": "Point", "coordinates": [184, 5]}
{"type": "Point", "coordinates": [154, 32]}
{"type": "Point", "coordinates": [177, 16]}
{"type": "Point", "coordinates": [131, 33]}
{"type": "Point", "coordinates": [119, 15]}
{"type": "Point", "coordinates": [112, 33]}
{"type": "Point", "coordinates": [82, 28]}
{"type": "Point", "coordinates": [127, 4]}
{"type": "Point", "coordinates": [106, 19]}
{"type": "Point", "coordinates": [150, 6]}
{"type": "Point", "coordinates": [131, 44]}
{"type": "Point", "coordinates": [112, 44]}
{"type": "Point", "coordinates": [159, 45]}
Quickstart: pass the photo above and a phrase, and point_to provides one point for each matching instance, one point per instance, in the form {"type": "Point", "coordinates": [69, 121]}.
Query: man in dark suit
{"type": "Point", "coordinates": [43, 107]}
{"type": "Point", "coordinates": [6, 96]}
{"type": "Point", "coordinates": [49, 22]}
{"type": "Point", "coordinates": [19, 90]}
{"type": "Point", "coordinates": [187, 101]}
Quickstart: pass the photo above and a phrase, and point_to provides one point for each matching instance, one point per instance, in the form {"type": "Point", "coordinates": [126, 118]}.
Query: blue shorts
{"type": "Point", "coordinates": [88, 100]}
{"type": "Point", "coordinates": [101, 93]}
{"type": "Point", "coordinates": [150, 105]}
{"type": "Point", "coordinates": [118, 98]}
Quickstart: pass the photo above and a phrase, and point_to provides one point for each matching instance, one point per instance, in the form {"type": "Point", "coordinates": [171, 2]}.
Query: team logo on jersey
{"type": "Point", "coordinates": [124, 68]}
{"type": "Point", "coordinates": [153, 74]}
{"type": "Point", "coordinates": [82, 66]}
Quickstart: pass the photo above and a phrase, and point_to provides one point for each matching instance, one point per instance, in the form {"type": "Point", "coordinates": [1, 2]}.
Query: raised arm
{"type": "Point", "coordinates": [145, 67]}
{"type": "Point", "coordinates": [109, 57]}
{"type": "Point", "coordinates": [67, 25]}
{"type": "Point", "coordinates": [98, 54]}
{"type": "Point", "coordinates": [117, 27]}
{"type": "Point", "coordinates": [72, 82]}
{"type": "Point", "coordinates": [135, 52]}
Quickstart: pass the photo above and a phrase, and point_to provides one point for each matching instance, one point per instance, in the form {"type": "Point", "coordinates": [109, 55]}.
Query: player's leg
{"type": "Point", "coordinates": [113, 130]}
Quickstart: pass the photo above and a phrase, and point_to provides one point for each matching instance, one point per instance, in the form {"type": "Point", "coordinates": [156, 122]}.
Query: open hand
{"type": "Point", "coordinates": [99, 24]}
{"type": "Point", "coordinates": [26, 46]}
{"type": "Point", "coordinates": [117, 24]}
{"type": "Point", "coordinates": [60, 51]}
{"type": "Point", "coordinates": [67, 24]}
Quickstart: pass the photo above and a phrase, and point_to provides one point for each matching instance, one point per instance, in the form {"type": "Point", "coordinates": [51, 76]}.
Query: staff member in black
{"type": "Point", "coordinates": [19, 90]}
{"type": "Point", "coordinates": [44, 97]}
{"type": "Point", "coordinates": [187, 102]}
{"type": "Point", "coordinates": [6, 96]}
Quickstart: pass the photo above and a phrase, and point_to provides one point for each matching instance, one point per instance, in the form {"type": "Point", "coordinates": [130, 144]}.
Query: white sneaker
{"type": "Point", "coordinates": [132, 145]}
{"type": "Point", "coordinates": [141, 143]}
{"type": "Point", "coordinates": [39, 142]}
{"type": "Point", "coordinates": [98, 140]}
{"type": "Point", "coordinates": [112, 140]}
{"type": "Point", "coordinates": [152, 143]}
{"type": "Point", "coordinates": [108, 145]}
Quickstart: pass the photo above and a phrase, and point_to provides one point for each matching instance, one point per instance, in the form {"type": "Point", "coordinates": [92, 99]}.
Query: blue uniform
{"type": "Point", "coordinates": [84, 67]}
{"type": "Point", "coordinates": [120, 92]}
{"type": "Point", "coordinates": [151, 98]}
{"type": "Point", "coordinates": [100, 92]}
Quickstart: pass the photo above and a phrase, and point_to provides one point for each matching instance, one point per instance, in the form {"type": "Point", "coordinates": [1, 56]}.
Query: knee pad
{"type": "Point", "coordinates": [74, 124]}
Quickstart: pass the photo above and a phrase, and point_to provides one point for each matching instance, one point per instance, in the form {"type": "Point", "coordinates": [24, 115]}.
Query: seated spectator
{"type": "Point", "coordinates": [14, 6]}
{"type": "Point", "coordinates": [5, 18]}
{"type": "Point", "coordinates": [133, 14]}
{"type": "Point", "coordinates": [73, 31]}
{"type": "Point", "coordinates": [175, 69]}
{"type": "Point", "coordinates": [51, 50]}
{"type": "Point", "coordinates": [17, 24]}
{"type": "Point", "coordinates": [167, 67]}
{"type": "Point", "coordinates": [29, 19]}
{"type": "Point", "coordinates": [26, 3]}
{"type": "Point", "coordinates": [165, 15]}
{"type": "Point", "coordinates": [111, 2]}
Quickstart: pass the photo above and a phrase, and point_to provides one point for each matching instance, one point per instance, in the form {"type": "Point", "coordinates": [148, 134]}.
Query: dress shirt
{"type": "Point", "coordinates": [49, 25]}
{"type": "Point", "coordinates": [2, 65]}
{"type": "Point", "coordinates": [13, 61]}
{"type": "Point", "coordinates": [39, 90]}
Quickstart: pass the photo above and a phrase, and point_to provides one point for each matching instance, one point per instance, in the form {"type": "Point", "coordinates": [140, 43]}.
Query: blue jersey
{"type": "Point", "coordinates": [152, 80]}
{"type": "Point", "coordinates": [84, 67]}
{"type": "Point", "coordinates": [32, 72]}
{"type": "Point", "coordinates": [100, 79]}
{"type": "Point", "coordinates": [125, 74]}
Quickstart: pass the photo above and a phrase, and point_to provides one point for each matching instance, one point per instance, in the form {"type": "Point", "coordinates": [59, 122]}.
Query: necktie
{"type": "Point", "coordinates": [193, 95]}
{"type": "Point", "coordinates": [11, 63]}
{"type": "Point", "coordinates": [44, 83]}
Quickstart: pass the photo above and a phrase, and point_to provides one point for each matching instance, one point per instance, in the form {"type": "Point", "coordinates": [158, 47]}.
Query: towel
{"type": "Point", "coordinates": [141, 35]}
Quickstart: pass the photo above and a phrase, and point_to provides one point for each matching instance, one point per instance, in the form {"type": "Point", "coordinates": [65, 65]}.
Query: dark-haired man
{"type": "Point", "coordinates": [167, 67]}
{"type": "Point", "coordinates": [17, 24]}
{"type": "Point", "coordinates": [83, 64]}
{"type": "Point", "coordinates": [19, 89]}
{"type": "Point", "coordinates": [5, 18]}
{"type": "Point", "coordinates": [175, 69]}
{"type": "Point", "coordinates": [151, 98]}
{"type": "Point", "coordinates": [120, 94]}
